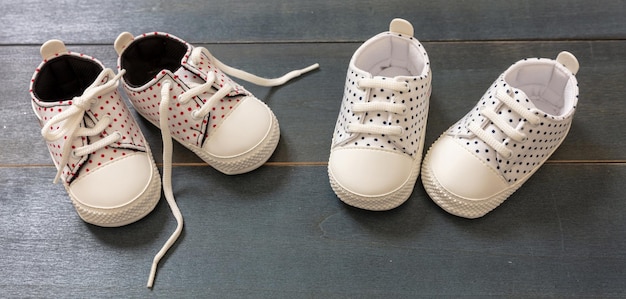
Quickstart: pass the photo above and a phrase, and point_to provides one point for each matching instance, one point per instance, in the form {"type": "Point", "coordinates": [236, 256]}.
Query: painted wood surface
{"type": "Point", "coordinates": [280, 231]}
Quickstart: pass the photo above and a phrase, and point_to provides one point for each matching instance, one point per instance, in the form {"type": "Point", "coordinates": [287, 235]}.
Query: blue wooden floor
{"type": "Point", "coordinates": [280, 231]}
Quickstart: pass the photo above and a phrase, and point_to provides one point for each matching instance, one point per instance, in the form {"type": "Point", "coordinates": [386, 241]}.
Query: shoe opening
{"type": "Point", "coordinates": [390, 56]}
{"type": "Point", "coordinates": [65, 77]}
{"type": "Point", "coordinates": [146, 57]}
{"type": "Point", "coordinates": [547, 84]}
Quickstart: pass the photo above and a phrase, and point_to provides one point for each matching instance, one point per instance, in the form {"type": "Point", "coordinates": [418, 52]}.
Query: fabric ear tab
{"type": "Point", "coordinates": [569, 61]}
{"type": "Point", "coordinates": [51, 48]}
{"type": "Point", "coordinates": [401, 26]}
{"type": "Point", "coordinates": [122, 41]}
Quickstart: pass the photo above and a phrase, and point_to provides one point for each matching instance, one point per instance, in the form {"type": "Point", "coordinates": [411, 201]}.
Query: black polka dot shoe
{"type": "Point", "coordinates": [379, 135]}
{"type": "Point", "coordinates": [515, 127]}
{"type": "Point", "coordinates": [207, 112]}
{"type": "Point", "coordinates": [97, 147]}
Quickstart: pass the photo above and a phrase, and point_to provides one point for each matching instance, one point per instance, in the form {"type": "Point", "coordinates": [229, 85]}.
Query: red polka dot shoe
{"type": "Point", "coordinates": [207, 112]}
{"type": "Point", "coordinates": [515, 127]}
{"type": "Point", "coordinates": [186, 90]}
{"type": "Point", "coordinates": [97, 147]}
{"type": "Point", "coordinates": [379, 135]}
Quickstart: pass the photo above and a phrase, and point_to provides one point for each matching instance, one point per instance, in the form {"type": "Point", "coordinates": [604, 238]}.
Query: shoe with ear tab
{"type": "Point", "coordinates": [378, 139]}
{"type": "Point", "coordinates": [101, 156]}
{"type": "Point", "coordinates": [522, 118]}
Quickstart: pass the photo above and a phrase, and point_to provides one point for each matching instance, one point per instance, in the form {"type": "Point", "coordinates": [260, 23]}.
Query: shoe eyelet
{"type": "Point", "coordinates": [358, 86]}
{"type": "Point", "coordinates": [194, 115]}
{"type": "Point", "coordinates": [74, 156]}
{"type": "Point", "coordinates": [107, 118]}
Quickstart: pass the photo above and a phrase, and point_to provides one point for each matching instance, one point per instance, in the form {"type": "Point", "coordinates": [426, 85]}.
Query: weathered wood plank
{"type": "Point", "coordinates": [33, 22]}
{"type": "Point", "coordinates": [280, 231]}
{"type": "Point", "coordinates": [285, 234]}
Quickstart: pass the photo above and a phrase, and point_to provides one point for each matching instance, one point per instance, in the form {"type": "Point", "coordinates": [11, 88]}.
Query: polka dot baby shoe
{"type": "Point", "coordinates": [379, 135]}
{"type": "Point", "coordinates": [515, 127]}
{"type": "Point", "coordinates": [186, 90]}
{"type": "Point", "coordinates": [208, 113]}
{"type": "Point", "coordinates": [97, 147]}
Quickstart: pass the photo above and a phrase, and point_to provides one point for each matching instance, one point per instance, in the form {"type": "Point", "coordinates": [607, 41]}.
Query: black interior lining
{"type": "Point", "coordinates": [65, 77]}
{"type": "Point", "coordinates": [146, 57]}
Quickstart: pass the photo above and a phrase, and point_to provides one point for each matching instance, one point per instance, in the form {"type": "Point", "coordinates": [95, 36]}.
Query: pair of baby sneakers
{"type": "Point", "coordinates": [99, 151]}
{"type": "Point", "coordinates": [477, 163]}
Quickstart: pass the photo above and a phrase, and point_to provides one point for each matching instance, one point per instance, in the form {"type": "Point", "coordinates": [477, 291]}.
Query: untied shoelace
{"type": "Point", "coordinates": [200, 113]}
{"type": "Point", "coordinates": [69, 122]}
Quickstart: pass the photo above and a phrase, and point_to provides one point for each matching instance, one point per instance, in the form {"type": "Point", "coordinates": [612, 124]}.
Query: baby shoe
{"type": "Point", "coordinates": [520, 121]}
{"type": "Point", "coordinates": [185, 89]}
{"type": "Point", "coordinates": [208, 113]}
{"type": "Point", "coordinates": [97, 147]}
{"type": "Point", "coordinates": [379, 135]}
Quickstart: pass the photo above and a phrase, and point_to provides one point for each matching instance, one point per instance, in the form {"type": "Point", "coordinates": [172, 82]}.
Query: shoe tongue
{"type": "Point", "coordinates": [505, 112]}
{"type": "Point", "coordinates": [191, 78]}
{"type": "Point", "coordinates": [196, 75]}
{"type": "Point", "coordinates": [520, 97]}
{"type": "Point", "coordinates": [382, 95]}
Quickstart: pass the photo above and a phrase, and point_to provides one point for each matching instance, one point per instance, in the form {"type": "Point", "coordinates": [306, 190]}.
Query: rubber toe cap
{"type": "Point", "coordinates": [114, 184]}
{"type": "Point", "coordinates": [242, 130]}
{"type": "Point", "coordinates": [370, 173]}
{"type": "Point", "coordinates": [463, 174]}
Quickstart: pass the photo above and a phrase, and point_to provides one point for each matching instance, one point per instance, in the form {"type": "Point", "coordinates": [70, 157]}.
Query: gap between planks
{"type": "Point", "coordinates": [305, 164]}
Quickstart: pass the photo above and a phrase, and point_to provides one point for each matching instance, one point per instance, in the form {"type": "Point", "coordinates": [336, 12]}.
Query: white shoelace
{"type": "Point", "coordinates": [503, 124]}
{"type": "Point", "coordinates": [167, 180]}
{"type": "Point", "coordinates": [394, 108]}
{"type": "Point", "coordinates": [73, 117]}
{"type": "Point", "coordinates": [198, 114]}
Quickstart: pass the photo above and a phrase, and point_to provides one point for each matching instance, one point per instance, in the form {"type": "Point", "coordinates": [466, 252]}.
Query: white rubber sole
{"type": "Point", "coordinates": [127, 214]}
{"type": "Point", "coordinates": [246, 162]}
{"type": "Point", "coordinates": [377, 203]}
{"type": "Point", "coordinates": [388, 201]}
{"type": "Point", "coordinates": [469, 208]}
{"type": "Point", "coordinates": [251, 160]}
{"type": "Point", "coordinates": [457, 205]}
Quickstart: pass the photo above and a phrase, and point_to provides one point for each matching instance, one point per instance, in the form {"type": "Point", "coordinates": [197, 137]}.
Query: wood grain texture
{"type": "Point", "coordinates": [286, 235]}
{"type": "Point", "coordinates": [280, 231]}
{"type": "Point", "coordinates": [319, 20]}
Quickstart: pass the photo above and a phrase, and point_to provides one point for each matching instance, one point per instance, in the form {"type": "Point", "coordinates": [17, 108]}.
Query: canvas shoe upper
{"type": "Point", "coordinates": [513, 129]}
{"type": "Point", "coordinates": [186, 92]}
{"type": "Point", "coordinates": [97, 147]}
{"type": "Point", "coordinates": [208, 113]}
{"type": "Point", "coordinates": [379, 135]}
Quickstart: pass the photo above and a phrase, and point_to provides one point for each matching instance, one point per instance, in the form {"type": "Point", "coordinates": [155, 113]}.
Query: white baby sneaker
{"type": "Point", "coordinates": [515, 127]}
{"type": "Point", "coordinates": [379, 135]}
{"type": "Point", "coordinates": [97, 147]}
{"type": "Point", "coordinates": [185, 91]}
{"type": "Point", "coordinates": [208, 113]}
